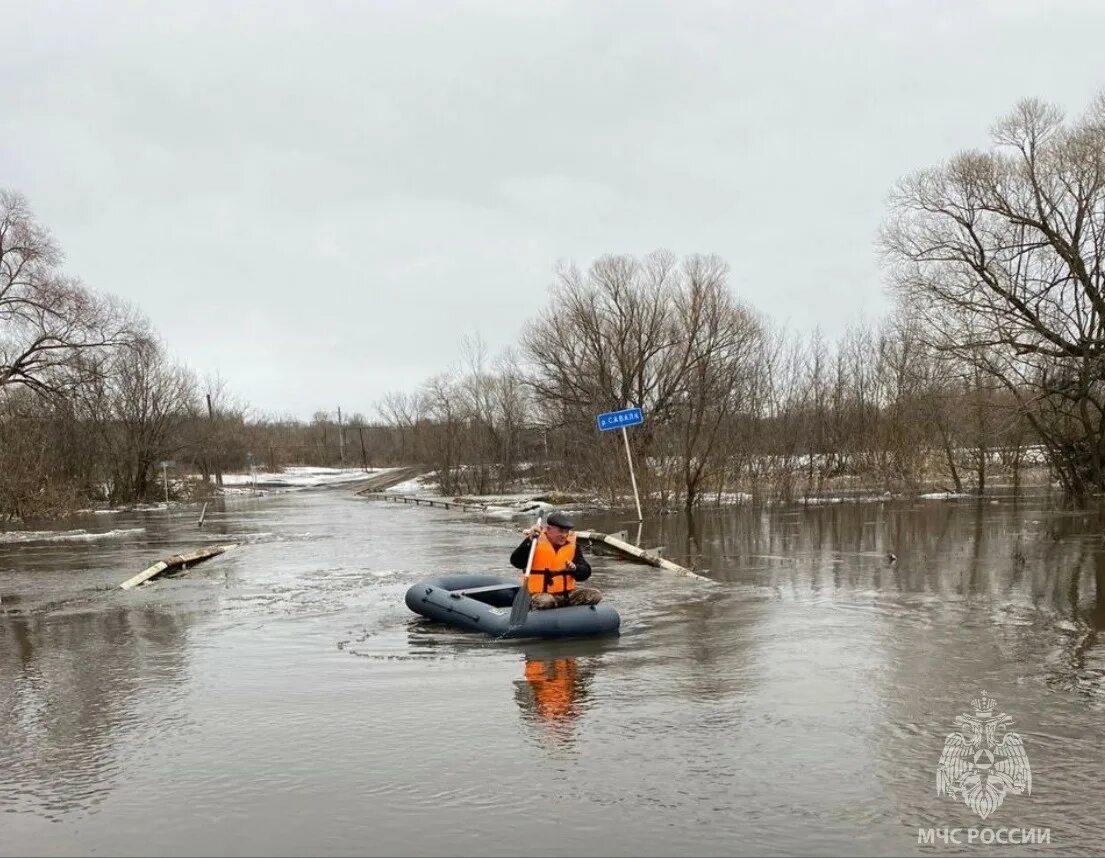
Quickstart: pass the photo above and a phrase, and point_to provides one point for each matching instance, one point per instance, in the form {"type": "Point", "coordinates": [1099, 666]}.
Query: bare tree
{"type": "Point", "coordinates": [46, 318]}
{"type": "Point", "coordinates": [1001, 253]}
{"type": "Point", "coordinates": [44, 460]}
{"type": "Point", "coordinates": [772, 463]}
{"type": "Point", "coordinates": [442, 436]}
{"type": "Point", "coordinates": [138, 407]}
{"type": "Point", "coordinates": [609, 339]}
{"type": "Point", "coordinates": [720, 340]}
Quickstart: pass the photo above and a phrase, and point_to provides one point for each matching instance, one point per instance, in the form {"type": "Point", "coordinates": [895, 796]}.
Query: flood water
{"type": "Point", "coordinates": [282, 700]}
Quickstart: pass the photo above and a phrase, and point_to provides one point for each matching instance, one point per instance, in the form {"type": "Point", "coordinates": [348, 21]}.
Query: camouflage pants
{"type": "Point", "coordinates": [578, 596]}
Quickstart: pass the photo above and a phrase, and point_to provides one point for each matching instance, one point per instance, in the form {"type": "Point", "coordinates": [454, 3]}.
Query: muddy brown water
{"type": "Point", "coordinates": [281, 699]}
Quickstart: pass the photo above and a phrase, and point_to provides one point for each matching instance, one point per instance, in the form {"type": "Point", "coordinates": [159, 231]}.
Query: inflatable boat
{"type": "Point", "coordinates": [481, 603]}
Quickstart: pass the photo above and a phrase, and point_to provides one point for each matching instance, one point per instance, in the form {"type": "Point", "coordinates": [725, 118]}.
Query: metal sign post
{"type": "Point", "coordinates": [622, 420]}
{"type": "Point", "coordinates": [632, 476]}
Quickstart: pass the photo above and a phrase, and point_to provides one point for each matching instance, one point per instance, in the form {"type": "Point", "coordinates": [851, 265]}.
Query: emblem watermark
{"type": "Point", "coordinates": [983, 762]}
{"type": "Point", "coordinates": [983, 836]}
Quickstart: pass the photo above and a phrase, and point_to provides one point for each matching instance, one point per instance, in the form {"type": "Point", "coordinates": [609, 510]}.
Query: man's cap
{"type": "Point", "coordinates": [558, 519]}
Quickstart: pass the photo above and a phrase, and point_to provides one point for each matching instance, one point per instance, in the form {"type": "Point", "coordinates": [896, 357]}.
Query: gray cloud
{"type": "Point", "coordinates": [320, 200]}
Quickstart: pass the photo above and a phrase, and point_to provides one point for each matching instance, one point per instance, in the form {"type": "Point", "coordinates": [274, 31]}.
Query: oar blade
{"type": "Point", "coordinates": [520, 609]}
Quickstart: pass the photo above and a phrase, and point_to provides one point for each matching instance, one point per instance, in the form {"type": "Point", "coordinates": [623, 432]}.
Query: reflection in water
{"type": "Point", "coordinates": [551, 696]}
{"type": "Point", "coordinates": [1005, 548]}
{"type": "Point", "coordinates": [554, 691]}
{"type": "Point", "coordinates": [1028, 569]}
{"type": "Point", "coordinates": [68, 689]}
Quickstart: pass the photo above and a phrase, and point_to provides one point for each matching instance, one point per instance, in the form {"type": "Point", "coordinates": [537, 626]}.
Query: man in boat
{"type": "Point", "coordinates": [558, 563]}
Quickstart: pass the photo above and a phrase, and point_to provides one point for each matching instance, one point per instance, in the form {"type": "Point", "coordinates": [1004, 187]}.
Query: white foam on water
{"type": "Point", "coordinates": [16, 536]}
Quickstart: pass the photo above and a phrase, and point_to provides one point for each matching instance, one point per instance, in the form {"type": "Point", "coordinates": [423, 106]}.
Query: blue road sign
{"type": "Point", "coordinates": [620, 419]}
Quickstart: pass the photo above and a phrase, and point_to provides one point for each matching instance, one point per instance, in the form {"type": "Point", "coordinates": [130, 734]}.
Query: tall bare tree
{"type": "Point", "coordinates": [720, 340]}
{"type": "Point", "coordinates": [47, 318]}
{"type": "Point", "coordinates": [608, 339]}
{"type": "Point", "coordinates": [139, 408]}
{"type": "Point", "coordinates": [1001, 254]}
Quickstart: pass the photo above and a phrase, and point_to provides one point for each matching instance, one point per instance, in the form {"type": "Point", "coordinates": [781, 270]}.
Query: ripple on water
{"type": "Point", "coordinates": [33, 536]}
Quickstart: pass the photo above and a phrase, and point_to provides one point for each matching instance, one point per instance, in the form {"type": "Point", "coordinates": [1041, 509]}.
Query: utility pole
{"type": "Point", "coordinates": [364, 456]}
{"type": "Point", "coordinates": [341, 439]}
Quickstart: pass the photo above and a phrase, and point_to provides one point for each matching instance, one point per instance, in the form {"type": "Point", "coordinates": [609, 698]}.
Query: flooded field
{"type": "Point", "coordinates": [281, 699]}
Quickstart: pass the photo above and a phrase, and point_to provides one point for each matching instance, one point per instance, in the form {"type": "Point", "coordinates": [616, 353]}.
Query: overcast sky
{"type": "Point", "coordinates": [319, 201]}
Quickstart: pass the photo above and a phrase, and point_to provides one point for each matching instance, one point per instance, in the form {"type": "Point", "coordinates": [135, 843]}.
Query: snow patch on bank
{"type": "Point", "coordinates": [409, 487]}
{"type": "Point", "coordinates": [828, 499]}
{"type": "Point", "coordinates": [302, 477]}
{"type": "Point", "coordinates": [728, 498]}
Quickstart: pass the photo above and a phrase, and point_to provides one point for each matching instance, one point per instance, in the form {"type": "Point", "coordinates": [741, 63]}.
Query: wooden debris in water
{"type": "Point", "coordinates": [645, 556]}
{"type": "Point", "coordinates": [178, 561]}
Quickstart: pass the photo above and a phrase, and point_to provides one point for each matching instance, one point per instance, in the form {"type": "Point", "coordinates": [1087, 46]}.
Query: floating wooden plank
{"type": "Point", "coordinates": [645, 556]}
{"type": "Point", "coordinates": [178, 561]}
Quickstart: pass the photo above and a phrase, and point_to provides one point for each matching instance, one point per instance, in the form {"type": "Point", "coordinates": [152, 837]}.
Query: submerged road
{"type": "Point", "coordinates": [281, 699]}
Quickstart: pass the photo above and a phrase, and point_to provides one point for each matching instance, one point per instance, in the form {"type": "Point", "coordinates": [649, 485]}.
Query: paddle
{"type": "Point", "coordinates": [520, 609]}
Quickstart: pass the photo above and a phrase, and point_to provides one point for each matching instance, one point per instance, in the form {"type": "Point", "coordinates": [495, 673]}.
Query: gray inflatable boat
{"type": "Point", "coordinates": [481, 603]}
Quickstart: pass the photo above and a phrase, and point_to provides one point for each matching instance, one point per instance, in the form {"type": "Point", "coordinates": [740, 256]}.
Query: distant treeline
{"type": "Point", "coordinates": [995, 351]}
{"type": "Point", "coordinates": [91, 405]}
{"type": "Point", "coordinates": [731, 404]}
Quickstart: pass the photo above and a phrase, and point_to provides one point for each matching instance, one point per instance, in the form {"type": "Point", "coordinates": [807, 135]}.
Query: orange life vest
{"type": "Point", "coordinates": [548, 573]}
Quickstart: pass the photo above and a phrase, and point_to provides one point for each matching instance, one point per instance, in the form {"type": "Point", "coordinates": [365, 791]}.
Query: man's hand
{"type": "Point", "coordinates": [571, 567]}
{"type": "Point", "coordinates": [531, 532]}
